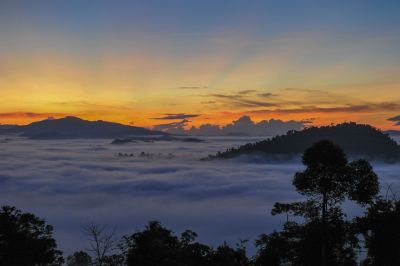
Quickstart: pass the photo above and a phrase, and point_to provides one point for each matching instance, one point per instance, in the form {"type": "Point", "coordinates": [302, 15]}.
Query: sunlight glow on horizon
{"type": "Point", "coordinates": [132, 62]}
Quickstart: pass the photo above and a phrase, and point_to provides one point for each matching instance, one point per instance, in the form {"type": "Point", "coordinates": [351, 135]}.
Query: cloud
{"type": "Point", "coordinates": [253, 103]}
{"type": "Point", "coordinates": [224, 96]}
{"type": "Point", "coordinates": [174, 127]}
{"type": "Point", "coordinates": [192, 87]}
{"type": "Point", "coordinates": [29, 115]}
{"type": "Point", "coordinates": [245, 92]}
{"type": "Point", "coordinates": [176, 116]}
{"type": "Point", "coordinates": [384, 106]}
{"type": "Point", "coordinates": [395, 119]}
{"type": "Point", "coordinates": [305, 90]}
{"type": "Point", "coordinates": [308, 121]}
{"type": "Point", "coordinates": [266, 95]}
{"type": "Point", "coordinates": [243, 126]}
{"type": "Point", "coordinates": [238, 100]}
{"type": "Point", "coordinates": [75, 181]}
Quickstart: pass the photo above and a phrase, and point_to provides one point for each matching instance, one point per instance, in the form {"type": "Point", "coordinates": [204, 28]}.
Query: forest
{"type": "Point", "coordinates": [355, 139]}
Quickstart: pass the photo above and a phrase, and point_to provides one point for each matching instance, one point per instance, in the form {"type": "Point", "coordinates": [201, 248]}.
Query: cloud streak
{"type": "Point", "coordinates": [384, 106]}
{"type": "Point", "coordinates": [192, 87]}
{"type": "Point", "coordinates": [395, 119]}
{"type": "Point", "coordinates": [240, 100]}
{"type": "Point", "coordinates": [17, 115]}
{"type": "Point", "coordinates": [176, 116]}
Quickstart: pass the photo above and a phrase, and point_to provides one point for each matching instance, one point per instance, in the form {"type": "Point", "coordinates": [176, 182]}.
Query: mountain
{"type": "Point", "coordinates": [72, 127]}
{"type": "Point", "coordinates": [355, 139]}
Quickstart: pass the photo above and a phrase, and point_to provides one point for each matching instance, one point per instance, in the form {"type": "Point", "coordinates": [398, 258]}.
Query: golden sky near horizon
{"type": "Point", "coordinates": [111, 65]}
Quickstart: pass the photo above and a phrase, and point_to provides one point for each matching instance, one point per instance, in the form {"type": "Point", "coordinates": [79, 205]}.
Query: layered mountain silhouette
{"type": "Point", "coordinates": [73, 127]}
{"type": "Point", "coordinates": [355, 139]}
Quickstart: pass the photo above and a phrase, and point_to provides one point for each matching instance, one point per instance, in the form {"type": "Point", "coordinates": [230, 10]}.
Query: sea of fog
{"type": "Point", "coordinates": [73, 182]}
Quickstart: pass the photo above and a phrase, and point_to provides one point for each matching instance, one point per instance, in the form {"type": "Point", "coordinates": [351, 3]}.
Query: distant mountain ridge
{"type": "Point", "coordinates": [73, 127]}
{"type": "Point", "coordinates": [355, 139]}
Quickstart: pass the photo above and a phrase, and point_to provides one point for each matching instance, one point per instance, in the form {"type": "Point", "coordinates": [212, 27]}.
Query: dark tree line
{"type": "Point", "coordinates": [321, 236]}
{"type": "Point", "coordinates": [354, 139]}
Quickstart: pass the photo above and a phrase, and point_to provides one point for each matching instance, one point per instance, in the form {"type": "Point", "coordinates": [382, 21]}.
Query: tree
{"type": "Point", "coordinates": [114, 260]}
{"type": "Point", "coordinates": [102, 242]}
{"type": "Point", "coordinates": [155, 245]}
{"type": "Point", "coordinates": [79, 258]}
{"type": "Point", "coordinates": [159, 246]}
{"type": "Point", "coordinates": [191, 252]}
{"type": "Point", "coordinates": [381, 231]}
{"type": "Point", "coordinates": [326, 182]}
{"type": "Point", "coordinates": [298, 244]}
{"type": "Point", "coordinates": [26, 240]}
{"type": "Point", "coordinates": [226, 255]}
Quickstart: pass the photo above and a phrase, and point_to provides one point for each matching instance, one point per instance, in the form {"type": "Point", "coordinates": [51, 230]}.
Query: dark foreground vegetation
{"type": "Point", "coordinates": [355, 139]}
{"type": "Point", "coordinates": [322, 235]}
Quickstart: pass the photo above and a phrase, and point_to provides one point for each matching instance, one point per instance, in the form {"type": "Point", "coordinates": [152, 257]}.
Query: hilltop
{"type": "Point", "coordinates": [355, 139]}
{"type": "Point", "coordinates": [73, 127]}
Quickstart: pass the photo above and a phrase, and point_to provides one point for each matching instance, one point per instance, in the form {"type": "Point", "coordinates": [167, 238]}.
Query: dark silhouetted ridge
{"type": "Point", "coordinates": [74, 127]}
{"type": "Point", "coordinates": [355, 139]}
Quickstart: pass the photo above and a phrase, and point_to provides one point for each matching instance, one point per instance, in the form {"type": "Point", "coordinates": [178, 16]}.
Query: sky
{"type": "Point", "coordinates": [210, 62]}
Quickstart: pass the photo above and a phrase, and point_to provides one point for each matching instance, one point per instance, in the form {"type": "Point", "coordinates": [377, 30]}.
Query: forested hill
{"type": "Point", "coordinates": [355, 139]}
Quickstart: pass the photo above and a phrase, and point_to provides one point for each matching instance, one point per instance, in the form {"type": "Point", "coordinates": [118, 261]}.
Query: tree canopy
{"type": "Point", "coordinates": [326, 182]}
{"type": "Point", "coordinates": [26, 240]}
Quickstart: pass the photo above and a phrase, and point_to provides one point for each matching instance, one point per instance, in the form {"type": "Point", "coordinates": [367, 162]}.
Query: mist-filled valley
{"type": "Point", "coordinates": [73, 182]}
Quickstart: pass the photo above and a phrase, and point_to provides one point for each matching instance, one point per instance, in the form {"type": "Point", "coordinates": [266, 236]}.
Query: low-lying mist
{"type": "Point", "coordinates": [73, 182]}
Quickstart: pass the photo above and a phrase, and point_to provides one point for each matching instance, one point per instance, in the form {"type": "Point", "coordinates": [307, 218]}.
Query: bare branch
{"type": "Point", "coordinates": [102, 241]}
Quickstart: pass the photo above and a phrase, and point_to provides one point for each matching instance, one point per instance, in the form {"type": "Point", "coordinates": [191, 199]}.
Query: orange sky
{"type": "Point", "coordinates": [110, 64]}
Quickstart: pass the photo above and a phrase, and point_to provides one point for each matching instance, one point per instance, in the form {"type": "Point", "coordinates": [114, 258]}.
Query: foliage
{"type": "Point", "coordinates": [26, 240]}
{"type": "Point", "coordinates": [381, 230]}
{"type": "Point", "coordinates": [325, 238]}
{"type": "Point", "coordinates": [156, 245]}
{"type": "Point", "coordinates": [299, 244]}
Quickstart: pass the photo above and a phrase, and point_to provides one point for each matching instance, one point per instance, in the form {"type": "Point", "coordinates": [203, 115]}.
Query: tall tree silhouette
{"type": "Point", "coordinates": [326, 182]}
